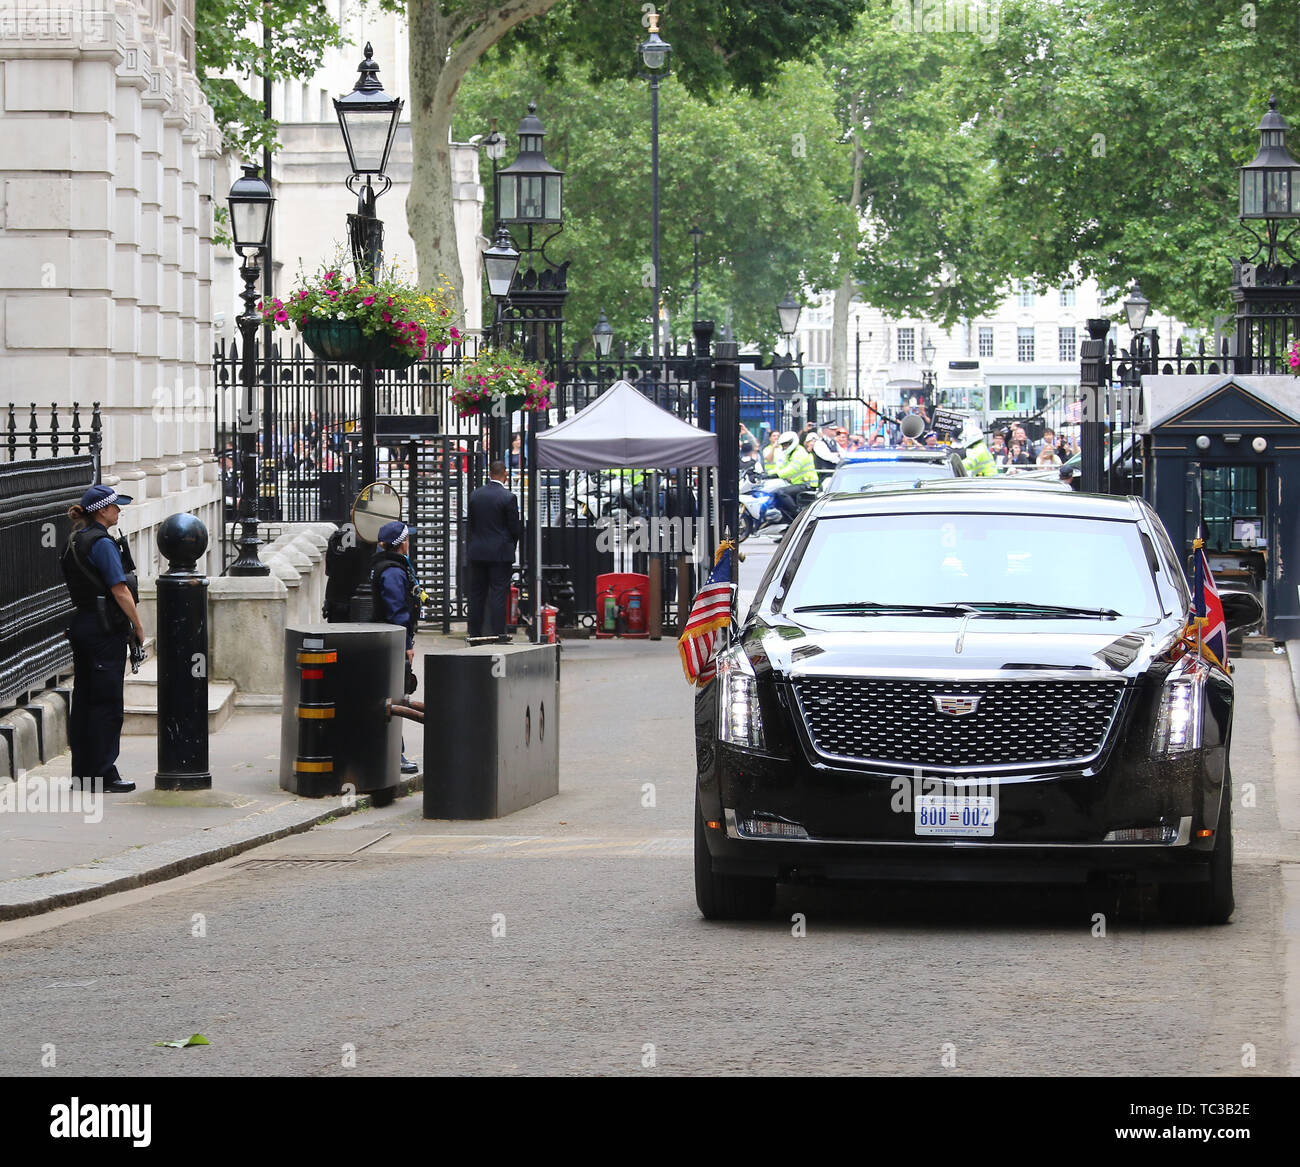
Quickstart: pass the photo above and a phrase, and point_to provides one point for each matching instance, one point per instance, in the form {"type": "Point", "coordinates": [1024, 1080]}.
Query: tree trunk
{"type": "Point", "coordinates": [446, 40]}
{"type": "Point", "coordinates": [839, 385]}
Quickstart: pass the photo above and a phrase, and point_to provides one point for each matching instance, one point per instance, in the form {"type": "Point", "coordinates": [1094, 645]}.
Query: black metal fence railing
{"type": "Point", "coordinates": [45, 469]}
{"type": "Point", "coordinates": [309, 467]}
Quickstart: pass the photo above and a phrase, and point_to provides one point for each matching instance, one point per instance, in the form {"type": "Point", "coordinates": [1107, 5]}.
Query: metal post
{"type": "Point", "coordinates": [1094, 370]}
{"type": "Point", "coordinates": [182, 658]}
{"type": "Point", "coordinates": [366, 233]}
{"type": "Point", "coordinates": [247, 562]}
{"type": "Point", "coordinates": [654, 214]}
{"type": "Point", "coordinates": [726, 413]}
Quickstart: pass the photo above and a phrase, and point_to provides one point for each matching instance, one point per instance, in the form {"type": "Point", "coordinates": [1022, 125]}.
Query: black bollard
{"type": "Point", "coordinates": [182, 658]}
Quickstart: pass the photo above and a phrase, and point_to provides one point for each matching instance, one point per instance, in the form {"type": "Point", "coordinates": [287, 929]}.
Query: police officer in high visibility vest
{"type": "Point", "coordinates": [799, 472]}
{"type": "Point", "coordinates": [978, 461]}
{"type": "Point", "coordinates": [101, 581]}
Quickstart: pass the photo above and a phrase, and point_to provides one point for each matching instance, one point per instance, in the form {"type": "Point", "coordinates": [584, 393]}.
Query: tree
{"type": "Point", "coordinates": [228, 39]}
{"type": "Point", "coordinates": [720, 43]}
{"type": "Point", "coordinates": [919, 183]}
{"type": "Point", "coordinates": [1116, 127]}
{"type": "Point", "coordinates": [758, 176]}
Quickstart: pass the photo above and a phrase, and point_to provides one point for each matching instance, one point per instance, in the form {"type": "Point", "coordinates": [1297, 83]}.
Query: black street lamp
{"type": "Point", "coordinates": [653, 54]}
{"type": "Point", "coordinates": [1270, 183]}
{"type": "Point", "coordinates": [494, 146]}
{"type": "Point", "coordinates": [602, 336]}
{"type": "Point", "coordinates": [500, 263]}
{"type": "Point", "coordinates": [529, 190]}
{"type": "Point", "coordinates": [250, 224]}
{"type": "Point", "coordinates": [928, 379]}
{"type": "Point", "coordinates": [368, 119]}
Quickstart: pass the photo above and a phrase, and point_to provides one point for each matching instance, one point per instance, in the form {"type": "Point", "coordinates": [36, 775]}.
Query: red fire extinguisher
{"type": "Point", "coordinates": [513, 619]}
{"type": "Point", "coordinates": [609, 611]}
{"type": "Point", "coordinates": [635, 612]}
{"type": "Point", "coordinates": [548, 623]}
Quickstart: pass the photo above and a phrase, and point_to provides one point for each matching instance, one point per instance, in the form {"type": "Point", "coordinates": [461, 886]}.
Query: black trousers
{"type": "Point", "coordinates": [489, 596]}
{"type": "Point", "coordinates": [95, 721]}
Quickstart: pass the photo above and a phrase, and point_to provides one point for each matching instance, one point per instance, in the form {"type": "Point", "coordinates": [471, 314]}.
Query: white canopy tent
{"type": "Point", "coordinates": [624, 429]}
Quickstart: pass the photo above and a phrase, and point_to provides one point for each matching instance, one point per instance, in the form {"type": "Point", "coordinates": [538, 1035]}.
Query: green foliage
{"type": "Point", "coordinates": [717, 44]}
{"type": "Point", "coordinates": [760, 176]}
{"type": "Point", "coordinates": [228, 38]}
{"type": "Point", "coordinates": [929, 244]}
{"type": "Point", "coordinates": [1115, 130]}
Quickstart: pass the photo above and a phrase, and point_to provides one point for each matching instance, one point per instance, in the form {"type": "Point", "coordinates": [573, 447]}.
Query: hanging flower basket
{"type": "Point", "coordinates": [500, 376]}
{"type": "Point", "coordinates": [391, 323]}
{"type": "Point", "coordinates": [343, 340]}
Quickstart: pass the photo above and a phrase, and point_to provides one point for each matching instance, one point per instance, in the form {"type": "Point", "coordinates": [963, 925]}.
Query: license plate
{"type": "Point", "coordinates": [954, 815]}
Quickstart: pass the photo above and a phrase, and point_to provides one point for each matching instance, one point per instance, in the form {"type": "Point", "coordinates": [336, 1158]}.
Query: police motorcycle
{"type": "Point", "coordinates": [759, 511]}
{"type": "Point", "coordinates": [603, 494]}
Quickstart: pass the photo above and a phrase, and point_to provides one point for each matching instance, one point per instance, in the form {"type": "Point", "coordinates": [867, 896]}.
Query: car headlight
{"type": "Point", "coordinates": [739, 721]}
{"type": "Point", "coordinates": [1179, 721]}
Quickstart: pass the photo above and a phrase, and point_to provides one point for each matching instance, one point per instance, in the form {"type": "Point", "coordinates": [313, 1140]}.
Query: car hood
{"type": "Point", "coordinates": [1123, 645]}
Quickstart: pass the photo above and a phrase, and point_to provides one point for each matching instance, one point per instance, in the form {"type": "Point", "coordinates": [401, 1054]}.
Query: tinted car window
{"type": "Point", "coordinates": [974, 558]}
{"type": "Point", "coordinates": [855, 475]}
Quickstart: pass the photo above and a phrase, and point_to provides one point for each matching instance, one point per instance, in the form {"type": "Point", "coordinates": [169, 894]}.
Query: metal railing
{"type": "Point", "coordinates": [47, 464]}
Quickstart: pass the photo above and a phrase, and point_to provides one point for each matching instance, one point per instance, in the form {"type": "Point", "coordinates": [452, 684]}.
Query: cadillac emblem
{"type": "Point", "coordinates": [956, 704]}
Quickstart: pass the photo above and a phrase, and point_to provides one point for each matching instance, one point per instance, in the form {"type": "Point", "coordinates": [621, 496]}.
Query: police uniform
{"type": "Point", "coordinates": [93, 563]}
{"type": "Point", "coordinates": [396, 593]}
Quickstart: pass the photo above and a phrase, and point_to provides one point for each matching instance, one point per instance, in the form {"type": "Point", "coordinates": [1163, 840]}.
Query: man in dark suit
{"type": "Point", "coordinates": [494, 529]}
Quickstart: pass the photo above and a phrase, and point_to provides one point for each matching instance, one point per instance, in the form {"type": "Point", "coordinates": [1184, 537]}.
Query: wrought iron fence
{"type": "Point", "coordinates": [309, 468]}
{"type": "Point", "coordinates": [46, 467]}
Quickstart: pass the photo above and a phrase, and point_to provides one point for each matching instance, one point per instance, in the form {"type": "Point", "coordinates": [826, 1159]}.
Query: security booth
{"type": "Point", "coordinates": [1224, 455]}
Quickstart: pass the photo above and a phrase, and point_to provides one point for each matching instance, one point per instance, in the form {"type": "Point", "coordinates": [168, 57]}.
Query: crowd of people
{"type": "Point", "coordinates": [1010, 445]}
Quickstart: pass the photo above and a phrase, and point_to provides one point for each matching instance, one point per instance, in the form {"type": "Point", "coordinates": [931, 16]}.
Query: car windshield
{"type": "Point", "coordinates": [855, 475]}
{"type": "Point", "coordinates": [945, 559]}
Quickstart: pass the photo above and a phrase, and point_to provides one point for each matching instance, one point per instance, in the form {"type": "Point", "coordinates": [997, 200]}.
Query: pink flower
{"type": "Point", "coordinates": [281, 316]}
{"type": "Point", "coordinates": [329, 275]}
{"type": "Point", "coordinates": [455, 333]}
{"type": "Point", "coordinates": [386, 317]}
{"type": "Point", "coordinates": [368, 301]}
{"type": "Point", "coordinates": [440, 347]}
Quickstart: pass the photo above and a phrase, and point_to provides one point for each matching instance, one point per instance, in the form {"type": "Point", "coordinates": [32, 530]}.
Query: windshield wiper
{"type": "Point", "coordinates": [870, 607]}
{"type": "Point", "coordinates": [987, 606]}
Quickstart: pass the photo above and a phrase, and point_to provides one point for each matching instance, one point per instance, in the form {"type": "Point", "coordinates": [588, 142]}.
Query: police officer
{"type": "Point", "coordinates": [799, 472]}
{"type": "Point", "coordinates": [396, 592]}
{"type": "Point", "coordinates": [100, 578]}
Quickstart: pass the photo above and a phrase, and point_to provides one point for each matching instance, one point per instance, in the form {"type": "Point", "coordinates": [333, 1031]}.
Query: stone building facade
{"type": "Point", "coordinates": [108, 168]}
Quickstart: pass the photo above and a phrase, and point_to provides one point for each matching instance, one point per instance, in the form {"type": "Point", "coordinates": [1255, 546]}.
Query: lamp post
{"type": "Point", "coordinates": [368, 120]}
{"type": "Point", "coordinates": [602, 336]}
{"type": "Point", "coordinates": [500, 263]}
{"type": "Point", "coordinates": [529, 194]}
{"type": "Point", "coordinates": [653, 54]}
{"type": "Point", "coordinates": [1266, 294]}
{"type": "Point", "coordinates": [928, 380]}
{"type": "Point", "coordinates": [250, 224]}
{"type": "Point", "coordinates": [788, 312]}
{"type": "Point", "coordinates": [494, 145]}
{"type": "Point", "coordinates": [695, 267]}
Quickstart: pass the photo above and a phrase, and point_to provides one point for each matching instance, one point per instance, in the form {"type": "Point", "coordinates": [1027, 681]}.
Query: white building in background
{"type": "Point", "coordinates": [1021, 358]}
{"type": "Point", "coordinates": [309, 169]}
{"type": "Point", "coordinates": [110, 163]}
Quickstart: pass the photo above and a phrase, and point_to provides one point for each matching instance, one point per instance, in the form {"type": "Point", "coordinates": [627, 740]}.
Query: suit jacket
{"type": "Point", "coordinates": [494, 526]}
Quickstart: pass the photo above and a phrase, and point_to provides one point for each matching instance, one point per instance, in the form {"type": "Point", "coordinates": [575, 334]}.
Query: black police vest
{"type": "Point", "coordinates": [85, 584]}
{"type": "Point", "coordinates": [386, 561]}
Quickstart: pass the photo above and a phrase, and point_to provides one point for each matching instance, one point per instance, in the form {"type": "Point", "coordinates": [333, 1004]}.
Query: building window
{"type": "Point", "coordinates": [815, 377]}
{"type": "Point", "coordinates": [907, 344]}
{"type": "Point", "coordinates": [1067, 347]}
{"type": "Point", "coordinates": [986, 340]}
{"type": "Point", "coordinates": [1026, 293]}
{"type": "Point", "coordinates": [1067, 298]}
{"type": "Point", "coordinates": [1024, 344]}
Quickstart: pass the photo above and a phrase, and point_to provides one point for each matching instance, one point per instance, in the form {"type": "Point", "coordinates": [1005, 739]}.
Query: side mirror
{"type": "Point", "coordinates": [1243, 610]}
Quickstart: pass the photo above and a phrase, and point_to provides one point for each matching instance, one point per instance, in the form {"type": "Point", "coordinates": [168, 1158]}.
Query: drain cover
{"type": "Point", "coordinates": [262, 864]}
